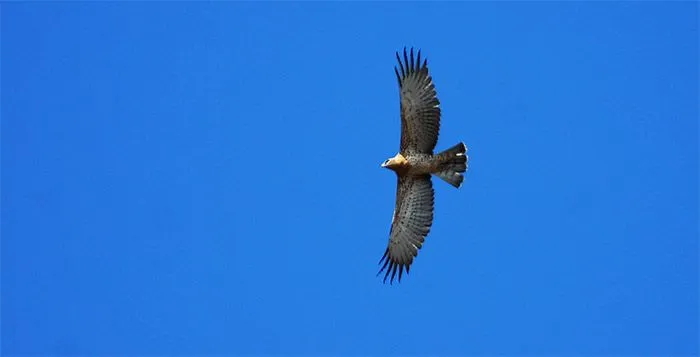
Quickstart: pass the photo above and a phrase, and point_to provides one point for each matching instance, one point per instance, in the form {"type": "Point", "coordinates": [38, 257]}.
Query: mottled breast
{"type": "Point", "coordinates": [420, 164]}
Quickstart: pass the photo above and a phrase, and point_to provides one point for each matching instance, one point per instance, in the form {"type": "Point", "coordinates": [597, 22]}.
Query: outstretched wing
{"type": "Point", "coordinates": [420, 108]}
{"type": "Point", "coordinates": [413, 217]}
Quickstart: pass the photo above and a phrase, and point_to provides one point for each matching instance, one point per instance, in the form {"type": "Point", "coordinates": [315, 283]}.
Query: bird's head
{"type": "Point", "coordinates": [395, 162]}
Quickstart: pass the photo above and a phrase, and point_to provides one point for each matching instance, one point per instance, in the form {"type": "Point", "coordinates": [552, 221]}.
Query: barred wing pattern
{"type": "Point", "coordinates": [420, 108]}
{"type": "Point", "coordinates": [413, 217]}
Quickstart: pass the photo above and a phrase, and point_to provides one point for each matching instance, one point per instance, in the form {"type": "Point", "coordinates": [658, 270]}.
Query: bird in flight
{"type": "Point", "coordinates": [415, 163]}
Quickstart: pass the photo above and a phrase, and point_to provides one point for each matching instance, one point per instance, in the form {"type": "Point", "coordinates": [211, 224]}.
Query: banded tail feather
{"type": "Point", "coordinates": [452, 163]}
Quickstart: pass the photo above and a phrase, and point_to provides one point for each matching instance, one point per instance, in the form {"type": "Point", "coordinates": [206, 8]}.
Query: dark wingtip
{"type": "Point", "coordinates": [384, 259]}
{"type": "Point", "coordinates": [405, 59]}
{"type": "Point", "coordinates": [418, 67]}
{"type": "Point", "coordinates": [403, 72]}
{"type": "Point", "coordinates": [390, 268]}
{"type": "Point", "coordinates": [386, 275]}
{"type": "Point", "coordinates": [387, 263]}
{"type": "Point", "coordinates": [409, 63]}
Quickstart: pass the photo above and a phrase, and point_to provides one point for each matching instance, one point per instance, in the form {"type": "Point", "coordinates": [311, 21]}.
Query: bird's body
{"type": "Point", "coordinates": [420, 164]}
{"type": "Point", "coordinates": [414, 165]}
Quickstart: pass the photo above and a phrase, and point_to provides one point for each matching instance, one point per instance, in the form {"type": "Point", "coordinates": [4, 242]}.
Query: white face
{"type": "Point", "coordinates": [386, 162]}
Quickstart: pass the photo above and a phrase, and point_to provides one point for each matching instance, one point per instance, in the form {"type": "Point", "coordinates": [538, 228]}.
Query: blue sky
{"type": "Point", "coordinates": [191, 178]}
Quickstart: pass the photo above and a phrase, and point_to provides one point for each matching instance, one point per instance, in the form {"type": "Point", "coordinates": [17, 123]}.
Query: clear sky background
{"type": "Point", "coordinates": [191, 178]}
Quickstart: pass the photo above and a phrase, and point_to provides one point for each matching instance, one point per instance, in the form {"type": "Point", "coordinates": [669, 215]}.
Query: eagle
{"type": "Point", "coordinates": [415, 163]}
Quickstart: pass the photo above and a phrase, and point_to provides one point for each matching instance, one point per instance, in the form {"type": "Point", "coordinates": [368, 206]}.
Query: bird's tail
{"type": "Point", "coordinates": [452, 163]}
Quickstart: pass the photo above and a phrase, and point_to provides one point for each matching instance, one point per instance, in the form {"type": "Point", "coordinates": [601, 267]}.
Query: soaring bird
{"type": "Point", "coordinates": [415, 163]}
